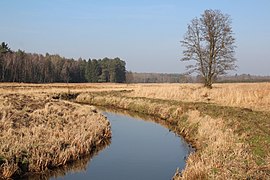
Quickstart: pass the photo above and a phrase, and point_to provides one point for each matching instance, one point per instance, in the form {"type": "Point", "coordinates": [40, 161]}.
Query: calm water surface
{"type": "Point", "coordinates": [139, 150]}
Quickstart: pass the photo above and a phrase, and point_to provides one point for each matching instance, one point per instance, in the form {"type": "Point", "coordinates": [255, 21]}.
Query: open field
{"type": "Point", "coordinates": [229, 124]}
{"type": "Point", "coordinates": [255, 96]}
{"type": "Point", "coordinates": [40, 133]}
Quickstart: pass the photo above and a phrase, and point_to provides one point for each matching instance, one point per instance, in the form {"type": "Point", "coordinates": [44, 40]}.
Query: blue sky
{"type": "Point", "coordinates": [146, 34]}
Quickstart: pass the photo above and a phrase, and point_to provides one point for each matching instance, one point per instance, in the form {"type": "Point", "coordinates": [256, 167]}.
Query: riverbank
{"type": "Point", "coordinates": [231, 142]}
{"type": "Point", "coordinates": [39, 133]}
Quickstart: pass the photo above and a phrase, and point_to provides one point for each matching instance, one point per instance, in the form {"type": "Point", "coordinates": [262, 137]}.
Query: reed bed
{"type": "Point", "coordinates": [39, 133]}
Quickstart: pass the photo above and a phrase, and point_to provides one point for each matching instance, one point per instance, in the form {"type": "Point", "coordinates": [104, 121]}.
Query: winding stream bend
{"type": "Point", "coordinates": [139, 149]}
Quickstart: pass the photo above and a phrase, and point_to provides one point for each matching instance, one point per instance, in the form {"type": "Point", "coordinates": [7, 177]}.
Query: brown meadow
{"type": "Point", "coordinates": [247, 95]}
{"type": "Point", "coordinates": [254, 96]}
{"type": "Point", "coordinates": [229, 124]}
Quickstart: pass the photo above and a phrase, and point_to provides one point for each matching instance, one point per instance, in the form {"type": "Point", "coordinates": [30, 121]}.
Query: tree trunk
{"type": "Point", "coordinates": [208, 82]}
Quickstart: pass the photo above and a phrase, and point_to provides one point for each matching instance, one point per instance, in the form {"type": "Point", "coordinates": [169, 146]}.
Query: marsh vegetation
{"type": "Point", "coordinates": [39, 133]}
{"type": "Point", "coordinates": [228, 124]}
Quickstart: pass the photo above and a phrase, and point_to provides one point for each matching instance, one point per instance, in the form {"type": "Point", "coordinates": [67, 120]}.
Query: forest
{"type": "Point", "coordinates": [19, 66]}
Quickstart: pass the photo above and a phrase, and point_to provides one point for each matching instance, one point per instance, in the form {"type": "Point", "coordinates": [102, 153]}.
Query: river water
{"type": "Point", "coordinates": [139, 149]}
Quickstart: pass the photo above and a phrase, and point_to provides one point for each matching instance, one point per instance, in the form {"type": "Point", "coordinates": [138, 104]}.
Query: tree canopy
{"type": "Point", "coordinates": [4, 48]}
{"type": "Point", "coordinates": [19, 66]}
{"type": "Point", "coordinates": [209, 42]}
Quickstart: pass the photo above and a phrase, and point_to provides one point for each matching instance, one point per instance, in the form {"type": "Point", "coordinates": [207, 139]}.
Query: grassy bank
{"type": "Point", "coordinates": [231, 142]}
{"type": "Point", "coordinates": [40, 133]}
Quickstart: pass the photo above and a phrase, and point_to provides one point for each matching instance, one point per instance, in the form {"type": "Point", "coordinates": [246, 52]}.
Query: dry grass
{"type": "Point", "coordinates": [222, 151]}
{"type": "Point", "coordinates": [73, 167]}
{"type": "Point", "coordinates": [222, 155]}
{"type": "Point", "coordinates": [229, 124]}
{"type": "Point", "coordinates": [38, 133]}
{"type": "Point", "coordinates": [23, 88]}
{"type": "Point", "coordinates": [255, 96]}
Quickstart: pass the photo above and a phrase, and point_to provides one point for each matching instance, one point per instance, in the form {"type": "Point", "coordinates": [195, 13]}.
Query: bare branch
{"type": "Point", "coordinates": [209, 42]}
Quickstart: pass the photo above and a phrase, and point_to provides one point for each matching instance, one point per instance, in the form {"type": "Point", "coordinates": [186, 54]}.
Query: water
{"type": "Point", "coordinates": [139, 150]}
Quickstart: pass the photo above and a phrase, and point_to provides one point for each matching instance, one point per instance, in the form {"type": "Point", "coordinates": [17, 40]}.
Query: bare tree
{"type": "Point", "coordinates": [209, 42]}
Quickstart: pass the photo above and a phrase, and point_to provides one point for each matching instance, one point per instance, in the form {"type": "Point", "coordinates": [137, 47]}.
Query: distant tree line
{"type": "Point", "coordinates": [36, 68]}
{"type": "Point", "coordinates": [134, 77]}
{"type": "Point", "coordinates": [243, 78]}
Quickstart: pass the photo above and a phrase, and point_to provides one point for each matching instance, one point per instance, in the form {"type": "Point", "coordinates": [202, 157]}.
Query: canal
{"type": "Point", "coordinates": [140, 148]}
